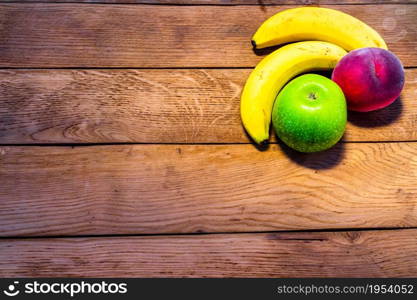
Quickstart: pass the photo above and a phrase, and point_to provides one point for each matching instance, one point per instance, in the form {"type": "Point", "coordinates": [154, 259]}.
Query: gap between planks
{"type": "Point", "coordinates": [370, 229]}
{"type": "Point", "coordinates": [139, 68]}
{"type": "Point", "coordinates": [75, 145]}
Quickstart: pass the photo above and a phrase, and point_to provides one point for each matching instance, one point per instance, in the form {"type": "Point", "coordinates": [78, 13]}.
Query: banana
{"type": "Point", "coordinates": [272, 73]}
{"type": "Point", "coordinates": [318, 24]}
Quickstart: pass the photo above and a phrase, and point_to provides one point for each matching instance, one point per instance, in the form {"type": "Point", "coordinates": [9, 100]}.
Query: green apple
{"type": "Point", "coordinates": [310, 113]}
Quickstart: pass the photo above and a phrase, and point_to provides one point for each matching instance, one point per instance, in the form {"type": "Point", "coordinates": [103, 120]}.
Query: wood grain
{"type": "Point", "coordinates": [156, 106]}
{"type": "Point", "coordinates": [328, 254]}
{"type": "Point", "coordinates": [226, 2]}
{"type": "Point", "coordinates": [217, 188]}
{"type": "Point", "coordinates": [146, 36]}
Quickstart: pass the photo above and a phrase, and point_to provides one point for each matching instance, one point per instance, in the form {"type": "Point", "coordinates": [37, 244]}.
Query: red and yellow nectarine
{"type": "Point", "coordinates": [371, 78]}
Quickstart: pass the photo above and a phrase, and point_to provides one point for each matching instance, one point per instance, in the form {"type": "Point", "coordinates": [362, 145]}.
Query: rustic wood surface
{"type": "Point", "coordinates": [156, 106]}
{"type": "Point", "coordinates": [227, 2]}
{"type": "Point", "coordinates": [207, 188]}
{"type": "Point", "coordinates": [94, 35]}
{"type": "Point", "coordinates": [153, 73]}
{"type": "Point", "coordinates": [326, 254]}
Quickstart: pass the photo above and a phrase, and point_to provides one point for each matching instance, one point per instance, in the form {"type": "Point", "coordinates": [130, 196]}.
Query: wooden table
{"type": "Point", "coordinates": [122, 152]}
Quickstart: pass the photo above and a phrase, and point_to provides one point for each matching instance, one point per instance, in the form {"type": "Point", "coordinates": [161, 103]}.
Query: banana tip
{"type": "Point", "coordinates": [253, 44]}
{"type": "Point", "coordinates": [263, 143]}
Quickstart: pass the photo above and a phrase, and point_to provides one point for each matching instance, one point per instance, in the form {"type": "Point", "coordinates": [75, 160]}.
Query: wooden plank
{"type": "Point", "coordinates": [129, 189]}
{"type": "Point", "coordinates": [156, 106]}
{"type": "Point", "coordinates": [226, 2]}
{"type": "Point", "coordinates": [325, 254]}
{"type": "Point", "coordinates": [92, 35]}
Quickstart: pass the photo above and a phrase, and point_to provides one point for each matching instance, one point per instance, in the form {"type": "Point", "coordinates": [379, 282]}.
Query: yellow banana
{"type": "Point", "coordinates": [318, 24]}
{"type": "Point", "coordinates": [272, 73]}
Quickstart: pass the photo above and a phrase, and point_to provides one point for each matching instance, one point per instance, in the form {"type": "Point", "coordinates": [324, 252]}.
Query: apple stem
{"type": "Point", "coordinates": [312, 96]}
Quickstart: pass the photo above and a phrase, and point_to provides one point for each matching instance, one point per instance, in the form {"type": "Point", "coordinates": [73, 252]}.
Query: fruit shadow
{"type": "Point", "coordinates": [377, 118]}
{"type": "Point", "coordinates": [317, 161]}
{"type": "Point", "coordinates": [266, 51]}
{"type": "Point", "coordinates": [322, 160]}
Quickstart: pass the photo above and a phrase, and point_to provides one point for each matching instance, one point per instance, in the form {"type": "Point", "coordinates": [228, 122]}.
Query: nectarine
{"type": "Point", "coordinates": [371, 78]}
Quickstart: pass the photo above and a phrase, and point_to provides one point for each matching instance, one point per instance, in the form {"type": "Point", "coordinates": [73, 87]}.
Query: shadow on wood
{"type": "Point", "coordinates": [266, 51]}
{"type": "Point", "coordinates": [377, 118]}
{"type": "Point", "coordinates": [319, 160]}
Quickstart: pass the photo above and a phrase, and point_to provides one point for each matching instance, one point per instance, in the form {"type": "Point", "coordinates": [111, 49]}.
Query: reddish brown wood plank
{"type": "Point", "coordinates": [228, 2]}
{"type": "Point", "coordinates": [156, 106]}
{"type": "Point", "coordinates": [93, 35]}
{"type": "Point", "coordinates": [329, 254]}
{"type": "Point", "coordinates": [216, 188]}
{"type": "Point", "coordinates": [150, 106]}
